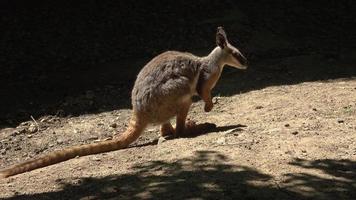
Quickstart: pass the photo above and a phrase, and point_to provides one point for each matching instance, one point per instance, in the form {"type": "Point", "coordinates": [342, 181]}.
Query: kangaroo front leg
{"type": "Point", "coordinates": [181, 117]}
{"type": "Point", "coordinates": [206, 96]}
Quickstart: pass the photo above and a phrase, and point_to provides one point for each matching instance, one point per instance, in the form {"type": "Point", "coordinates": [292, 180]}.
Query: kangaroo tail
{"type": "Point", "coordinates": [130, 135]}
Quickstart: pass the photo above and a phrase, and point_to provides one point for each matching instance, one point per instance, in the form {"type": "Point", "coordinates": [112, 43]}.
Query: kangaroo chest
{"type": "Point", "coordinates": [208, 79]}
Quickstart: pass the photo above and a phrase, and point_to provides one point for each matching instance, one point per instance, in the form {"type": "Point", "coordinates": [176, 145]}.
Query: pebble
{"type": "Point", "coordinates": [295, 132]}
{"type": "Point", "coordinates": [32, 129]}
{"type": "Point", "coordinates": [24, 124]}
{"type": "Point", "coordinates": [161, 140]}
{"type": "Point", "coordinates": [221, 141]}
{"type": "Point", "coordinates": [340, 121]}
{"type": "Point", "coordinates": [59, 141]}
{"type": "Point", "coordinates": [93, 137]}
{"type": "Point", "coordinates": [60, 113]}
{"type": "Point", "coordinates": [17, 148]}
{"type": "Point", "coordinates": [258, 107]}
{"type": "Point", "coordinates": [113, 125]}
{"type": "Point", "coordinates": [15, 133]}
{"type": "Point", "coordinates": [96, 159]}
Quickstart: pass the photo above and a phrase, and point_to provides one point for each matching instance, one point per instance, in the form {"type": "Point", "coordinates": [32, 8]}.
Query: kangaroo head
{"type": "Point", "coordinates": [231, 55]}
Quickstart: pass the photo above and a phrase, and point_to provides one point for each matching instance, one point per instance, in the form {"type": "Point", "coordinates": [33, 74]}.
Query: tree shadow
{"type": "Point", "coordinates": [206, 175]}
{"type": "Point", "coordinates": [210, 175]}
{"type": "Point", "coordinates": [335, 179]}
{"type": "Point", "coordinates": [85, 60]}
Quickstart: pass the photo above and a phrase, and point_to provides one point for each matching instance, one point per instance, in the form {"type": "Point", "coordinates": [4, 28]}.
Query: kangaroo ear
{"type": "Point", "coordinates": [221, 39]}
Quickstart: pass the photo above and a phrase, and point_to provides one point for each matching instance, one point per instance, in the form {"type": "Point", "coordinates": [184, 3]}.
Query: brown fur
{"type": "Point", "coordinates": [162, 90]}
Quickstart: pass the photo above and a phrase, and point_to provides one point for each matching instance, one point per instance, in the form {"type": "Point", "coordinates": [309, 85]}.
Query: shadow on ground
{"type": "Point", "coordinates": [208, 175]}
{"type": "Point", "coordinates": [100, 98]}
{"type": "Point", "coordinates": [339, 180]}
{"type": "Point", "coordinates": [73, 59]}
{"type": "Point", "coordinates": [200, 129]}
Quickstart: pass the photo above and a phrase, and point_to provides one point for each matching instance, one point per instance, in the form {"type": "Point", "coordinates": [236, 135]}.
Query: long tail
{"type": "Point", "coordinates": [130, 135]}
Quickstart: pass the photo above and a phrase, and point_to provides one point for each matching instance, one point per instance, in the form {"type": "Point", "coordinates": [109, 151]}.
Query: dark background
{"type": "Point", "coordinates": [74, 57]}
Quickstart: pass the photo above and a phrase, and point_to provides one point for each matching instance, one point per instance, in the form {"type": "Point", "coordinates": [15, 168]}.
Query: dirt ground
{"type": "Point", "coordinates": [282, 141]}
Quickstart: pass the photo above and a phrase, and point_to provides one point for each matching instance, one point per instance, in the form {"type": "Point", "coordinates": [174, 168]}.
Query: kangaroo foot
{"type": "Point", "coordinates": [193, 129]}
{"type": "Point", "coordinates": [167, 130]}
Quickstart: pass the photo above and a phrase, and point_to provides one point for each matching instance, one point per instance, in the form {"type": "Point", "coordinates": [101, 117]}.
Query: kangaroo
{"type": "Point", "coordinates": [163, 89]}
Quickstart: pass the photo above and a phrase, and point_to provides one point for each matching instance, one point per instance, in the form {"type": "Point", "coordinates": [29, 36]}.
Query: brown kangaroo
{"type": "Point", "coordinates": [163, 89]}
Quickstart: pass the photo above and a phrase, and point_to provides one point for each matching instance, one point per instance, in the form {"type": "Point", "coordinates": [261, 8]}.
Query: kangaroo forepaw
{"type": "Point", "coordinates": [208, 107]}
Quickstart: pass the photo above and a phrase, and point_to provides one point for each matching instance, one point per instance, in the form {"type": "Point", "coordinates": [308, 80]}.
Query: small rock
{"type": "Point", "coordinates": [24, 124]}
{"type": "Point", "coordinates": [15, 133]}
{"type": "Point", "coordinates": [22, 130]}
{"type": "Point", "coordinates": [59, 141]}
{"type": "Point", "coordinates": [113, 125]}
{"type": "Point", "coordinates": [286, 125]}
{"type": "Point", "coordinates": [32, 129]}
{"type": "Point", "coordinates": [314, 109]}
{"type": "Point", "coordinates": [29, 136]}
{"type": "Point", "coordinates": [340, 121]}
{"type": "Point", "coordinates": [258, 107]}
{"type": "Point", "coordinates": [221, 141]}
{"type": "Point", "coordinates": [96, 158]}
{"type": "Point", "coordinates": [295, 132]}
{"type": "Point", "coordinates": [17, 148]}
{"type": "Point", "coordinates": [288, 152]}
{"type": "Point", "coordinates": [161, 140]}
{"type": "Point", "coordinates": [93, 137]}
{"type": "Point", "coordinates": [60, 113]}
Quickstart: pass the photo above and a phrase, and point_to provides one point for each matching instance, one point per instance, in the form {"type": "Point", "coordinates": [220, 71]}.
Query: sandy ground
{"type": "Point", "coordinates": [293, 141]}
